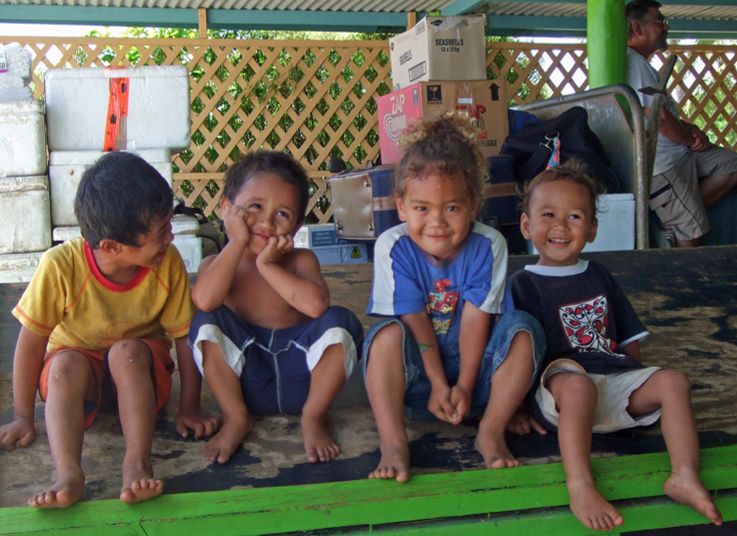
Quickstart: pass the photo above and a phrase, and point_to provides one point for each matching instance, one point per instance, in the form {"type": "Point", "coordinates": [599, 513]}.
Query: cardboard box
{"type": "Point", "coordinates": [483, 100]}
{"type": "Point", "coordinates": [440, 48]}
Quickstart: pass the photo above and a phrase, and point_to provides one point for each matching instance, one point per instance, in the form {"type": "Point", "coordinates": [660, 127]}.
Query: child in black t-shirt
{"type": "Point", "coordinates": [593, 379]}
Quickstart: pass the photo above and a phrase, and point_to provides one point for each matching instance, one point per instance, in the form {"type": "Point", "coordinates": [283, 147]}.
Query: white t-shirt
{"type": "Point", "coordinates": [641, 74]}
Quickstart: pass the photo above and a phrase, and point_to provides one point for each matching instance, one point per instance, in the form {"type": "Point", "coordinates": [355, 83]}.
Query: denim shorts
{"type": "Point", "coordinates": [416, 383]}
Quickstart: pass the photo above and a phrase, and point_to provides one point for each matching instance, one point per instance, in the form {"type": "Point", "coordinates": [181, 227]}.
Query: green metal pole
{"type": "Point", "coordinates": [607, 42]}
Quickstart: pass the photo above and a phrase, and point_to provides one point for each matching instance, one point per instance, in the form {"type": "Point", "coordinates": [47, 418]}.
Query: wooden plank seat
{"type": "Point", "coordinates": [526, 497]}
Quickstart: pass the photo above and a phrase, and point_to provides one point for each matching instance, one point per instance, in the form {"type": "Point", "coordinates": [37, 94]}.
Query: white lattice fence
{"type": "Point", "coordinates": [317, 99]}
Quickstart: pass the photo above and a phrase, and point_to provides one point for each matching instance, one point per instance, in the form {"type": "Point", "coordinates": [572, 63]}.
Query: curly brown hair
{"type": "Point", "coordinates": [572, 170]}
{"type": "Point", "coordinates": [447, 145]}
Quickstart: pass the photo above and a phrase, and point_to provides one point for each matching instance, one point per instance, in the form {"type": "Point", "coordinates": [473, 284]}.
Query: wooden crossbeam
{"type": "Point", "coordinates": [431, 504]}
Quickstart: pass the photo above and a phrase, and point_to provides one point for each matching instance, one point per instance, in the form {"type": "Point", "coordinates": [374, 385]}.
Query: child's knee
{"type": "Point", "coordinates": [129, 355]}
{"type": "Point", "coordinates": [572, 387]}
{"type": "Point", "coordinates": [69, 368]}
{"type": "Point", "coordinates": [673, 381]}
{"type": "Point", "coordinates": [388, 338]}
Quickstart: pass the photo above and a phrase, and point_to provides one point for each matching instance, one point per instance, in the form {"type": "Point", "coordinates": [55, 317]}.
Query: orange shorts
{"type": "Point", "coordinates": [163, 367]}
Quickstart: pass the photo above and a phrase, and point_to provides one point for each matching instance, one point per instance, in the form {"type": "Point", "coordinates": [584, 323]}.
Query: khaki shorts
{"type": "Point", "coordinates": [676, 197]}
{"type": "Point", "coordinates": [614, 396]}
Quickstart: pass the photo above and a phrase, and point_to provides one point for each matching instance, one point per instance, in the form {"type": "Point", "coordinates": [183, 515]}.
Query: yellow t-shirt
{"type": "Point", "coordinates": [70, 301]}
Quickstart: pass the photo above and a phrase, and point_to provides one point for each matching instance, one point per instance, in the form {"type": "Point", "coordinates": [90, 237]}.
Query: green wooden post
{"type": "Point", "coordinates": [606, 42]}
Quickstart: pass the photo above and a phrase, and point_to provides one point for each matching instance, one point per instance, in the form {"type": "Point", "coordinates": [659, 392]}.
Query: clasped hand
{"type": "Point", "coordinates": [449, 404]}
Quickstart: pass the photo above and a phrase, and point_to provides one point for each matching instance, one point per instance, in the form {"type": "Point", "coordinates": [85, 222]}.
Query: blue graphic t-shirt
{"type": "Point", "coordinates": [407, 280]}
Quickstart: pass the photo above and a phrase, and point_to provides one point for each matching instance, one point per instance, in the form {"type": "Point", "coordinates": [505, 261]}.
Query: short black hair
{"type": "Point", "coordinates": [119, 197]}
{"type": "Point", "coordinates": [262, 161]}
{"type": "Point", "coordinates": [638, 10]}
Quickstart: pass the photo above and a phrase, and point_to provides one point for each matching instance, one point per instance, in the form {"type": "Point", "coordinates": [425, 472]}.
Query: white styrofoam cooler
{"type": "Point", "coordinates": [616, 229]}
{"type": "Point", "coordinates": [22, 138]}
{"type": "Point", "coordinates": [158, 107]}
{"type": "Point", "coordinates": [185, 230]}
{"type": "Point", "coordinates": [19, 267]}
{"type": "Point", "coordinates": [66, 169]}
{"type": "Point", "coordinates": [186, 241]}
{"type": "Point", "coordinates": [25, 215]}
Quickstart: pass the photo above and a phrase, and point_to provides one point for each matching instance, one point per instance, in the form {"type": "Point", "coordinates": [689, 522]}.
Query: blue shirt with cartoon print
{"type": "Point", "coordinates": [408, 280]}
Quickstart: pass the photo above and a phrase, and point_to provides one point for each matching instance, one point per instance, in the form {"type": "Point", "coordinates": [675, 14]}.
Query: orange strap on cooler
{"type": "Point", "coordinates": [117, 113]}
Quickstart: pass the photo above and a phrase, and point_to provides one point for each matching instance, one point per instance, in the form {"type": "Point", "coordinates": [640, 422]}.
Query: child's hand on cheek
{"type": "Point", "coordinates": [275, 249]}
{"type": "Point", "coordinates": [236, 227]}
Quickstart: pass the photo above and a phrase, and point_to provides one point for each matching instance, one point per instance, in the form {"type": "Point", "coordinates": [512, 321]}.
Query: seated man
{"type": "Point", "coordinates": [691, 174]}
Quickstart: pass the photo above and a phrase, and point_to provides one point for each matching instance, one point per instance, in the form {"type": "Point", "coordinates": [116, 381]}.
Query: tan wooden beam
{"type": "Point", "coordinates": [411, 19]}
{"type": "Point", "coordinates": [202, 13]}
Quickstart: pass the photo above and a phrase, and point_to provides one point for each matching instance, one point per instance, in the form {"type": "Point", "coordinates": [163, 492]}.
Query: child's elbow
{"type": "Point", "coordinates": [318, 306]}
{"type": "Point", "coordinates": [204, 303]}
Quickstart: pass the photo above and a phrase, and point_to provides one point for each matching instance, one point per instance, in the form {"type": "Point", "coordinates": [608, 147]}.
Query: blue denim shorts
{"type": "Point", "coordinates": [416, 383]}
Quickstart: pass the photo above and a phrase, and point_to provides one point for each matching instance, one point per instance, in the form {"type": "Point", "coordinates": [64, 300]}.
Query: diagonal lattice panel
{"type": "Point", "coordinates": [317, 99]}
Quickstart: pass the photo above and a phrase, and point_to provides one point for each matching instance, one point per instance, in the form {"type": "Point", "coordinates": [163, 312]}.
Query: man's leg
{"type": "Point", "coordinates": [714, 188]}
{"type": "Point", "coordinates": [71, 382]}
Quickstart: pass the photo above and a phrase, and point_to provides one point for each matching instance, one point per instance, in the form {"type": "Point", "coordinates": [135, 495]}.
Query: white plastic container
{"type": "Point", "coordinates": [185, 230]}
{"type": "Point", "coordinates": [342, 254]}
{"type": "Point", "coordinates": [25, 215]}
{"type": "Point", "coordinates": [616, 229]}
{"type": "Point", "coordinates": [66, 169]}
{"type": "Point", "coordinates": [22, 138]}
{"type": "Point", "coordinates": [18, 267]}
{"type": "Point", "coordinates": [158, 108]}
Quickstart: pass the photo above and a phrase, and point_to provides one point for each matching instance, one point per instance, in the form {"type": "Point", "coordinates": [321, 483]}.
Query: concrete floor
{"type": "Point", "coordinates": [688, 301]}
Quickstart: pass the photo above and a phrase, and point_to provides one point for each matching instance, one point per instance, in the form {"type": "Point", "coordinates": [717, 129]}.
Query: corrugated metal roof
{"type": "Point", "coordinates": [696, 11]}
{"type": "Point", "coordinates": [372, 6]}
{"type": "Point", "coordinates": [689, 18]}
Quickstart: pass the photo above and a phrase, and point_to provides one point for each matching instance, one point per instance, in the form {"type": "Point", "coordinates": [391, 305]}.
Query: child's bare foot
{"type": "Point", "coordinates": [591, 508]}
{"type": "Point", "coordinates": [394, 463]}
{"type": "Point", "coordinates": [686, 487]}
{"type": "Point", "coordinates": [319, 444]}
{"type": "Point", "coordinates": [223, 444]}
{"type": "Point", "coordinates": [138, 482]}
{"type": "Point", "coordinates": [67, 490]}
{"type": "Point", "coordinates": [494, 450]}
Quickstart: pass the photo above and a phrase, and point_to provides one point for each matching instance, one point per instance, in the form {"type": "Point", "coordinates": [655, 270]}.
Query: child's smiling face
{"type": "Point", "coordinates": [439, 212]}
{"type": "Point", "coordinates": [272, 207]}
{"type": "Point", "coordinates": [560, 221]}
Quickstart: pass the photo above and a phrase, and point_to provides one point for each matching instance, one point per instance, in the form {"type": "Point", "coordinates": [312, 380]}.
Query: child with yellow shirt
{"type": "Point", "coordinates": [97, 322]}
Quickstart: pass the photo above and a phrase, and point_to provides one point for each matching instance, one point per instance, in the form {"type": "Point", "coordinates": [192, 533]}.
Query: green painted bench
{"type": "Point", "coordinates": [520, 501]}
